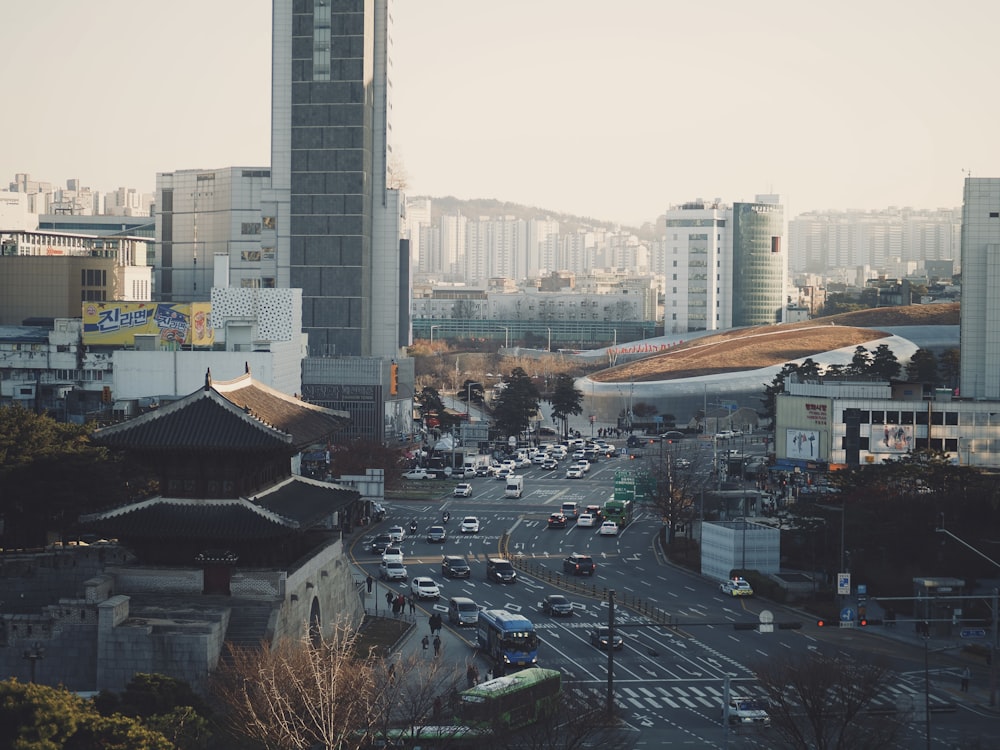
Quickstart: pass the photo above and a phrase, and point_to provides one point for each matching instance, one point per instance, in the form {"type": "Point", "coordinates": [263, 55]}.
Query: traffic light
{"type": "Point", "coordinates": [745, 625]}
{"type": "Point", "coordinates": [790, 625]}
{"type": "Point", "coordinates": [820, 623]}
{"type": "Point", "coordinates": [865, 622]}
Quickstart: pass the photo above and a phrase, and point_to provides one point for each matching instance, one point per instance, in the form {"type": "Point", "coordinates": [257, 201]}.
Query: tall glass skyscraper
{"type": "Point", "coordinates": [337, 223]}
{"type": "Point", "coordinates": [759, 263]}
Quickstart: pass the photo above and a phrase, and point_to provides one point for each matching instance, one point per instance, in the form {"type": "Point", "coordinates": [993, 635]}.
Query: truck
{"type": "Point", "coordinates": [515, 486]}
{"type": "Point", "coordinates": [475, 461]}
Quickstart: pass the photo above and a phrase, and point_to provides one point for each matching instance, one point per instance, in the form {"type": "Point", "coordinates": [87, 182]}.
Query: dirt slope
{"type": "Point", "coordinates": [751, 348]}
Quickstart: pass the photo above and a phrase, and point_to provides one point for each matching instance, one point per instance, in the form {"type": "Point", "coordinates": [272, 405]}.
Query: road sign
{"type": "Point", "coordinates": [843, 583]}
{"type": "Point", "coordinates": [847, 614]}
{"type": "Point", "coordinates": [973, 633]}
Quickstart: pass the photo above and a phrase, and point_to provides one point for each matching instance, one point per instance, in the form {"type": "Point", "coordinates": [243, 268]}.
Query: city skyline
{"type": "Point", "coordinates": [560, 105]}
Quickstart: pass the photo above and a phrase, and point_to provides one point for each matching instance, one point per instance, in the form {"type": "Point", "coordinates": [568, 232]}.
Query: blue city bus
{"type": "Point", "coordinates": [508, 639]}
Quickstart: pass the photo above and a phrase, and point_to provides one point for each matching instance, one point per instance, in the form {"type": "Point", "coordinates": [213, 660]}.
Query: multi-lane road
{"type": "Point", "coordinates": [668, 682]}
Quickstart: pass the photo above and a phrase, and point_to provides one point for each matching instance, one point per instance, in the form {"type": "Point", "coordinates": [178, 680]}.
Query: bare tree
{"type": "Point", "coordinates": [298, 694]}
{"type": "Point", "coordinates": [822, 702]}
{"type": "Point", "coordinates": [572, 725]}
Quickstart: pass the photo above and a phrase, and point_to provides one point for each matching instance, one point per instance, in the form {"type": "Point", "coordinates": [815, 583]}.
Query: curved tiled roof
{"type": "Point", "coordinates": [235, 415]}
{"type": "Point", "coordinates": [294, 505]}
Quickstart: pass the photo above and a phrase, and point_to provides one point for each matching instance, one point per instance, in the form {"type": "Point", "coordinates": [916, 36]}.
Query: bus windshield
{"type": "Point", "coordinates": [524, 641]}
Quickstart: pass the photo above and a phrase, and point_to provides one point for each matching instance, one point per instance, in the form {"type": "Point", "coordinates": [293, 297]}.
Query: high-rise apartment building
{"type": "Point", "coordinates": [980, 345]}
{"type": "Point", "coordinates": [823, 241]}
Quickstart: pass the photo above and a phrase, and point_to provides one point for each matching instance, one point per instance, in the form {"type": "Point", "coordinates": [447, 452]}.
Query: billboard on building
{"type": "Point", "coordinates": [891, 438]}
{"type": "Point", "coordinates": [174, 323]}
{"type": "Point", "coordinates": [802, 444]}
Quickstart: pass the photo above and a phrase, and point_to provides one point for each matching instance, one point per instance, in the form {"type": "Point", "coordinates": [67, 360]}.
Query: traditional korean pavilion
{"type": "Point", "coordinates": [227, 496]}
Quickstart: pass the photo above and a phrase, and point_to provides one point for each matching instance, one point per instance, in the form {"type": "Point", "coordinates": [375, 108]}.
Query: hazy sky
{"type": "Point", "coordinates": [610, 110]}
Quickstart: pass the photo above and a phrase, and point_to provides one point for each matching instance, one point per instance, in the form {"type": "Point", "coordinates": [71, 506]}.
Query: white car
{"type": "Point", "coordinates": [578, 455]}
{"type": "Point", "coordinates": [470, 525]}
{"type": "Point", "coordinates": [587, 519]}
{"type": "Point", "coordinates": [417, 474]}
{"type": "Point", "coordinates": [392, 554]}
{"type": "Point", "coordinates": [425, 588]}
{"type": "Point", "coordinates": [392, 571]}
{"type": "Point", "coordinates": [463, 490]}
{"type": "Point", "coordinates": [583, 464]}
{"type": "Point", "coordinates": [396, 534]}
{"type": "Point", "coordinates": [608, 528]}
{"type": "Point", "coordinates": [574, 472]}
{"type": "Point", "coordinates": [737, 587]}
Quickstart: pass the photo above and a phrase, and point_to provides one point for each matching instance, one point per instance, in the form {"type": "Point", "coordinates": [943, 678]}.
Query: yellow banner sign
{"type": "Point", "coordinates": [174, 323]}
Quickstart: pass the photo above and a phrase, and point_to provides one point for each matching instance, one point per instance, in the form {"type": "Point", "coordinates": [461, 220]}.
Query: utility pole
{"type": "Point", "coordinates": [611, 654]}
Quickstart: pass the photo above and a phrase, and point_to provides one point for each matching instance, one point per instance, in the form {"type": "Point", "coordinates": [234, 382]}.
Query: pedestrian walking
{"type": "Point", "coordinates": [395, 607]}
{"type": "Point", "coordinates": [437, 645]}
{"type": "Point", "coordinates": [425, 642]}
{"type": "Point", "coordinates": [435, 623]}
{"type": "Point", "coordinates": [388, 598]}
{"type": "Point", "coordinates": [413, 604]}
{"type": "Point", "coordinates": [470, 675]}
{"type": "Point", "coordinates": [369, 581]}
{"type": "Point", "coordinates": [966, 674]}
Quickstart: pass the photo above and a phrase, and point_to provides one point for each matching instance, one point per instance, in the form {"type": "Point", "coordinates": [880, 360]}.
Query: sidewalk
{"type": "Point", "coordinates": [455, 642]}
{"type": "Point", "coordinates": [946, 649]}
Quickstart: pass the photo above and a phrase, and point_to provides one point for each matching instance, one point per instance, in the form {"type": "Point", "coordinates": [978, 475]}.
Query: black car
{"type": "Point", "coordinates": [500, 570]}
{"type": "Point", "coordinates": [380, 543]}
{"type": "Point", "coordinates": [557, 605]}
{"type": "Point", "coordinates": [436, 534]}
{"type": "Point", "coordinates": [455, 566]}
{"type": "Point", "coordinates": [557, 521]}
{"type": "Point", "coordinates": [602, 636]}
{"type": "Point", "coordinates": [579, 565]}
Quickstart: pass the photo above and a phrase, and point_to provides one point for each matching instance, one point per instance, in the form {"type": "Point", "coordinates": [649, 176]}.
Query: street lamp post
{"type": "Point", "coordinates": [432, 332]}
{"type": "Point", "coordinates": [33, 654]}
{"type": "Point", "coordinates": [550, 339]}
{"type": "Point", "coordinates": [506, 337]}
{"type": "Point", "coordinates": [468, 396]}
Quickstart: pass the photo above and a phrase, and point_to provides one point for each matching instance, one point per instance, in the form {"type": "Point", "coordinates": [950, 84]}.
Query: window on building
{"type": "Point", "coordinates": [951, 417]}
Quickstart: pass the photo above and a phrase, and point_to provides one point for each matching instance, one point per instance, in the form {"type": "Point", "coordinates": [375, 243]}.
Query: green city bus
{"type": "Point", "coordinates": [619, 511]}
{"type": "Point", "coordinates": [512, 701]}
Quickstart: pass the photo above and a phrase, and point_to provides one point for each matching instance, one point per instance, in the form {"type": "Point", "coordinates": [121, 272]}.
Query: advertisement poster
{"type": "Point", "coordinates": [891, 438]}
{"type": "Point", "coordinates": [173, 323]}
{"type": "Point", "coordinates": [802, 444]}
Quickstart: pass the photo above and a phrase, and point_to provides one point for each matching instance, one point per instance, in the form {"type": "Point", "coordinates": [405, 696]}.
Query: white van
{"type": "Point", "coordinates": [515, 486]}
{"type": "Point", "coordinates": [462, 611]}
